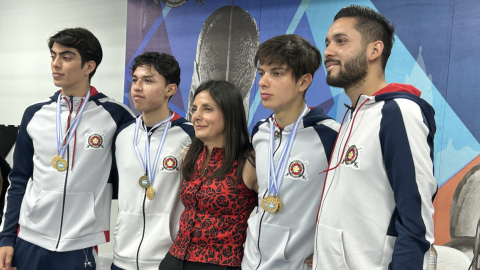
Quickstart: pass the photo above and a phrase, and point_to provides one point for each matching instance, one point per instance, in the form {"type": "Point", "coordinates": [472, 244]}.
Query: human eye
{"type": "Point", "coordinates": [260, 73]}
{"type": "Point", "coordinates": [134, 80]}
{"type": "Point", "coordinates": [194, 109]}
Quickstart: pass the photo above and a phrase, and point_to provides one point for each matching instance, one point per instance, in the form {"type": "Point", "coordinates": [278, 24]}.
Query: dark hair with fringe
{"type": "Point", "coordinates": [237, 139]}
{"type": "Point", "coordinates": [84, 41]}
{"type": "Point", "coordinates": [291, 50]}
{"type": "Point", "coordinates": [165, 64]}
{"type": "Point", "coordinates": [372, 26]}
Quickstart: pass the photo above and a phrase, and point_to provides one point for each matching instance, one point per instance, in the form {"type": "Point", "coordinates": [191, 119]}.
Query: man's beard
{"type": "Point", "coordinates": [353, 72]}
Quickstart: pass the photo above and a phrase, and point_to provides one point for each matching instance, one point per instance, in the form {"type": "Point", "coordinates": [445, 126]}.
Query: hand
{"type": "Point", "coordinates": [309, 260]}
{"type": "Point", "coordinates": [6, 254]}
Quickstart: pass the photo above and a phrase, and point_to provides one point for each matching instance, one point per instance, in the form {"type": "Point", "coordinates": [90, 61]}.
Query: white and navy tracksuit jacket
{"type": "Point", "coordinates": [146, 228]}
{"type": "Point", "coordinates": [283, 240]}
{"type": "Point", "coordinates": [69, 210]}
{"type": "Point", "coordinates": [376, 211]}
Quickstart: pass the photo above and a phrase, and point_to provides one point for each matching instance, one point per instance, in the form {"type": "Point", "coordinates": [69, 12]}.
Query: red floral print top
{"type": "Point", "coordinates": [214, 223]}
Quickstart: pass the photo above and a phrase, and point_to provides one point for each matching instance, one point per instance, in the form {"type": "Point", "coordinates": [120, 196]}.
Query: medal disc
{"type": "Point", "coordinates": [55, 160]}
{"type": "Point", "coordinates": [270, 204]}
{"type": "Point", "coordinates": [150, 193]}
{"type": "Point", "coordinates": [62, 164]}
{"type": "Point", "coordinates": [143, 181]}
{"type": "Point", "coordinates": [276, 134]}
{"type": "Point", "coordinates": [279, 203]}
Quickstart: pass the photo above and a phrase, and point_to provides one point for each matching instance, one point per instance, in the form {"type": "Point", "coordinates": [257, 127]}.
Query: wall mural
{"type": "Point", "coordinates": [434, 50]}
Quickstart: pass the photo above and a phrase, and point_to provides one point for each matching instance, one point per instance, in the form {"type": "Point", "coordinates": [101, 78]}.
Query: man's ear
{"type": "Point", "coordinates": [170, 90]}
{"type": "Point", "coordinates": [375, 50]}
{"type": "Point", "coordinates": [89, 67]}
{"type": "Point", "coordinates": [304, 82]}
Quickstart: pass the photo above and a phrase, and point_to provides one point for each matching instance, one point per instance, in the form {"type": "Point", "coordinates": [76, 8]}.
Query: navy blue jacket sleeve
{"type": "Point", "coordinates": [19, 176]}
{"type": "Point", "coordinates": [409, 166]}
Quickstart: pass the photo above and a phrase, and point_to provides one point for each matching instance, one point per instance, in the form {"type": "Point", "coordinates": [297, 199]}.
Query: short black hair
{"type": "Point", "coordinates": [165, 64]}
{"type": "Point", "coordinates": [237, 138]}
{"type": "Point", "coordinates": [291, 50]}
{"type": "Point", "coordinates": [372, 26]}
{"type": "Point", "coordinates": [84, 41]}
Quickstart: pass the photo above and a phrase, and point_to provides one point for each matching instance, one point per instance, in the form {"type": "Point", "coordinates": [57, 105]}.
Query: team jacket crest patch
{"type": "Point", "coordinates": [352, 157]}
{"type": "Point", "coordinates": [170, 164]}
{"type": "Point", "coordinates": [297, 170]}
{"type": "Point", "coordinates": [94, 141]}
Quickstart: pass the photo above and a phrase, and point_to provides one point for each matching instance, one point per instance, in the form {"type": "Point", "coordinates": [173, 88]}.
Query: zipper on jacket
{"type": "Point", "coordinates": [65, 182]}
{"type": "Point", "coordinates": [261, 219]}
{"type": "Point", "coordinates": [144, 219]}
{"type": "Point", "coordinates": [143, 231]}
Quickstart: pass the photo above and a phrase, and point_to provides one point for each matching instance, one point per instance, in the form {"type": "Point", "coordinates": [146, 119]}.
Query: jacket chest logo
{"type": "Point", "coordinates": [169, 164]}
{"type": "Point", "coordinates": [352, 157]}
{"type": "Point", "coordinates": [94, 141]}
{"type": "Point", "coordinates": [297, 170]}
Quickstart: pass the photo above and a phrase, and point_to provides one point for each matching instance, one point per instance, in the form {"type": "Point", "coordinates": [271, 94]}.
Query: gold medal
{"type": "Point", "coordinates": [55, 160]}
{"type": "Point", "coordinates": [270, 204]}
{"type": "Point", "coordinates": [62, 164]}
{"type": "Point", "coordinates": [276, 134]}
{"type": "Point", "coordinates": [279, 203]}
{"type": "Point", "coordinates": [150, 193]}
{"type": "Point", "coordinates": [143, 181]}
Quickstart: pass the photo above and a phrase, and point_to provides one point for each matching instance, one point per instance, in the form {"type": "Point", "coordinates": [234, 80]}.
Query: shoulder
{"type": "Point", "coordinates": [184, 124]}
{"type": "Point", "coordinates": [260, 123]}
{"type": "Point", "coordinates": [31, 110]}
{"type": "Point", "coordinates": [118, 111]}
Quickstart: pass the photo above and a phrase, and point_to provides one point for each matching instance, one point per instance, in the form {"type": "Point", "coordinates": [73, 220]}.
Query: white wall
{"type": "Point", "coordinates": [25, 75]}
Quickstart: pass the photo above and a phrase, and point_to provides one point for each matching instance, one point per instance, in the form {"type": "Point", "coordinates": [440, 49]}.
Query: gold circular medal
{"type": "Point", "coordinates": [62, 164]}
{"type": "Point", "coordinates": [276, 134]}
{"type": "Point", "coordinates": [280, 204]}
{"type": "Point", "coordinates": [143, 181]}
{"type": "Point", "coordinates": [55, 160]}
{"type": "Point", "coordinates": [270, 204]}
{"type": "Point", "coordinates": [150, 193]}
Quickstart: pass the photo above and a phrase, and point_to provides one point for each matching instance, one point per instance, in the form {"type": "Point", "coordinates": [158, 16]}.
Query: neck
{"type": "Point", "coordinates": [290, 115]}
{"type": "Point", "coordinates": [152, 118]}
{"type": "Point", "coordinates": [211, 145]}
{"type": "Point", "coordinates": [76, 91]}
{"type": "Point", "coordinates": [369, 86]}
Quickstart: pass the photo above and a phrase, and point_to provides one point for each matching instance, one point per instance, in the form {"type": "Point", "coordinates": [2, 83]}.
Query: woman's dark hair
{"type": "Point", "coordinates": [237, 138]}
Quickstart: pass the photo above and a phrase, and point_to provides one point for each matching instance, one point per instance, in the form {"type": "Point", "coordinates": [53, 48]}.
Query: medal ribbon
{"type": "Point", "coordinates": [147, 167]}
{"type": "Point", "coordinates": [61, 148]}
{"type": "Point", "coordinates": [275, 175]}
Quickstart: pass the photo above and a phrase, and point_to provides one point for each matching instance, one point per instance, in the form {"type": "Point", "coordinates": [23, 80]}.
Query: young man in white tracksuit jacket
{"type": "Point", "coordinates": [58, 204]}
{"type": "Point", "coordinates": [282, 237]}
{"type": "Point", "coordinates": [149, 209]}
{"type": "Point", "coordinates": [376, 209]}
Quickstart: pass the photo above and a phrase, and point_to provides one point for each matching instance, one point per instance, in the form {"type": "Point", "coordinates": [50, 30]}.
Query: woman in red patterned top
{"type": "Point", "coordinates": [217, 191]}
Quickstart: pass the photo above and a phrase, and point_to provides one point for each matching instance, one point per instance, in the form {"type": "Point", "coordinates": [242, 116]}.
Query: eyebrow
{"type": "Point", "coordinates": [146, 76]}
{"type": "Point", "coordinates": [64, 52]}
{"type": "Point", "coordinates": [274, 68]}
{"type": "Point", "coordinates": [336, 36]}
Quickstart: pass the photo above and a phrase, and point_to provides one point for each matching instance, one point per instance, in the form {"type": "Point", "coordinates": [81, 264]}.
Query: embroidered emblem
{"type": "Point", "coordinates": [94, 141]}
{"type": "Point", "coordinates": [170, 164]}
{"type": "Point", "coordinates": [296, 170]}
{"type": "Point", "coordinates": [351, 157]}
